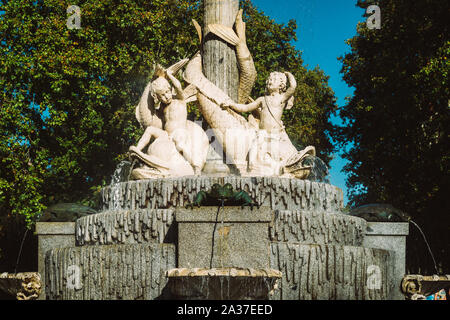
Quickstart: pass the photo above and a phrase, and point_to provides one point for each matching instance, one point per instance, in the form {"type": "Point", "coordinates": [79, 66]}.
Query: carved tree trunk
{"type": "Point", "coordinates": [219, 58]}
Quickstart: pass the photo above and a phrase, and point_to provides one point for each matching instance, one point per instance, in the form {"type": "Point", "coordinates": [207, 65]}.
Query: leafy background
{"type": "Point", "coordinates": [68, 98]}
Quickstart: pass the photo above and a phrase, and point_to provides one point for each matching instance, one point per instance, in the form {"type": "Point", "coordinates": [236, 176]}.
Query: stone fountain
{"type": "Point", "coordinates": [145, 244]}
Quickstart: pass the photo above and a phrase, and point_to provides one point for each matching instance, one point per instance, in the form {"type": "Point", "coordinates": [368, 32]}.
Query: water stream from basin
{"type": "Point", "coordinates": [428, 246]}
{"type": "Point", "coordinates": [121, 174]}
{"type": "Point", "coordinates": [319, 170]}
{"type": "Point", "coordinates": [214, 231]}
{"type": "Point", "coordinates": [20, 250]}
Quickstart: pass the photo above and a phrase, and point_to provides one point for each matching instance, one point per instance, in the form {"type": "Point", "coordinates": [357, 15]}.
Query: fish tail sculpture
{"type": "Point", "coordinates": [230, 128]}
{"type": "Point", "coordinates": [245, 59]}
{"type": "Point", "coordinates": [145, 110]}
{"type": "Point", "coordinates": [247, 74]}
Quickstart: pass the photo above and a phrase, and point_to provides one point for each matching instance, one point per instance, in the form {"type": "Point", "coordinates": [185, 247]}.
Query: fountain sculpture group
{"type": "Point", "coordinates": [146, 245]}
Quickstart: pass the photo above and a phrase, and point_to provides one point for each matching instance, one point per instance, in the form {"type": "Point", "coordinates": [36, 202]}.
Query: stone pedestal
{"type": "Point", "coordinates": [109, 272]}
{"type": "Point", "coordinates": [52, 235]}
{"type": "Point", "coordinates": [222, 283]}
{"type": "Point", "coordinates": [229, 237]}
{"type": "Point", "coordinates": [144, 231]}
{"type": "Point", "coordinates": [390, 236]}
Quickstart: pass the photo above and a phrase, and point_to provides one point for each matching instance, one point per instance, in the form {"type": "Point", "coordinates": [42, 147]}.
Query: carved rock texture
{"type": "Point", "coordinates": [315, 227]}
{"type": "Point", "coordinates": [278, 193]}
{"type": "Point", "coordinates": [326, 272]}
{"type": "Point", "coordinates": [114, 272]}
{"type": "Point", "coordinates": [126, 227]}
{"type": "Point", "coordinates": [125, 251]}
{"type": "Point", "coordinates": [21, 286]}
{"type": "Point", "coordinates": [157, 226]}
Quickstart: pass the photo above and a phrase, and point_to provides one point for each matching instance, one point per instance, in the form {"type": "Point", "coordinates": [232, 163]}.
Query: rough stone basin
{"type": "Point", "coordinates": [222, 283]}
{"type": "Point", "coordinates": [21, 286]}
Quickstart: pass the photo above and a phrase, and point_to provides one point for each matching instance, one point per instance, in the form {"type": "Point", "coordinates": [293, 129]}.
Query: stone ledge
{"type": "Point", "coordinates": [387, 228]}
{"type": "Point", "coordinates": [55, 228]}
{"type": "Point", "coordinates": [229, 272]}
{"type": "Point", "coordinates": [317, 228]}
{"type": "Point", "coordinates": [126, 227]}
{"type": "Point", "coordinates": [225, 214]}
{"type": "Point", "coordinates": [275, 192]}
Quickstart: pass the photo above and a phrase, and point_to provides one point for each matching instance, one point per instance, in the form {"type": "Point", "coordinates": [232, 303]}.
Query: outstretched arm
{"type": "Point", "coordinates": [247, 107]}
{"type": "Point", "coordinates": [292, 86]}
{"type": "Point", "coordinates": [177, 85]}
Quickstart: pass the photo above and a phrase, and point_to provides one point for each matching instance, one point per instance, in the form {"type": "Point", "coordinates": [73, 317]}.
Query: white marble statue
{"type": "Point", "coordinates": [259, 146]}
{"type": "Point", "coordinates": [176, 146]}
{"type": "Point", "coordinates": [272, 149]}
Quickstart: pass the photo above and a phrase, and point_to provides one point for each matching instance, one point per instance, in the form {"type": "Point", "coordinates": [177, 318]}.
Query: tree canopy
{"type": "Point", "coordinates": [397, 121]}
{"type": "Point", "coordinates": [68, 95]}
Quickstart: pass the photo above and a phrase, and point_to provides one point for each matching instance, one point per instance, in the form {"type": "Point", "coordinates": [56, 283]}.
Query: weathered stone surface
{"type": "Point", "coordinates": [317, 249]}
{"type": "Point", "coordinates": [21, 286]}
{"type": "Point", "coordinates": [52, 235]}
{"type": "Point", "coordinates": [225, 214]}
{"type": "Point", "coordinates": [277, 193]}
{"type": "Point", "coordinates": [231, 237]}
{"type": "Point", "coordinates": [390, 236]}
{"type": "Point", "coordinates": [112, 272]}
{"type": "Point", "coordinates": [222, 284]}
{"type": "Point", "coordinates": [327, 272]}
{"type": "Point", "coordinates": [127, 227]}
{"type": "Point", "coordinates": [317, 227]}
{"type": "Point", "coordinates": [55, 228]}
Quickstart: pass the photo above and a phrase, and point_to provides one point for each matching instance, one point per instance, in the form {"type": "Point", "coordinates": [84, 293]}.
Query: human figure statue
{"type": "Point", "coordinates": [180, 146]}
{"type": "Point", "coordinates": [259, 146]}
{"type": "Point", "coordinates": [272, 148]}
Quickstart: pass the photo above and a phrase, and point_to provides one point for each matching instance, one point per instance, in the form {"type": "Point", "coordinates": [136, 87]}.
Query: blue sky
{"type": "Point", "coordinates": [322, 28]}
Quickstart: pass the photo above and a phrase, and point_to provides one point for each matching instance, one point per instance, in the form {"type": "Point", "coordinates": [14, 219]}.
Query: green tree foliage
{"type": "Point", "coordinates": [68, 96]}
{"type": "Point", "coordinates": [398, 118]}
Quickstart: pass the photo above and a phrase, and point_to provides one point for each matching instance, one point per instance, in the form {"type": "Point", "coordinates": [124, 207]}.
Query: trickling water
{"type": "Point", "coordinates": [121, 174]}
{"type": "Point", "coordinates": [131, 169]}
{"type": "Point", "coordinates": [214, 232]}
{"type": "Point", "coordinates": [428, 246]}
{"type": "Point", "coordinates": [319, 170]}
{"type": "Point", "coordinates": [115, 194]}
{"type": "Point", "coordinates": [20, 250]}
